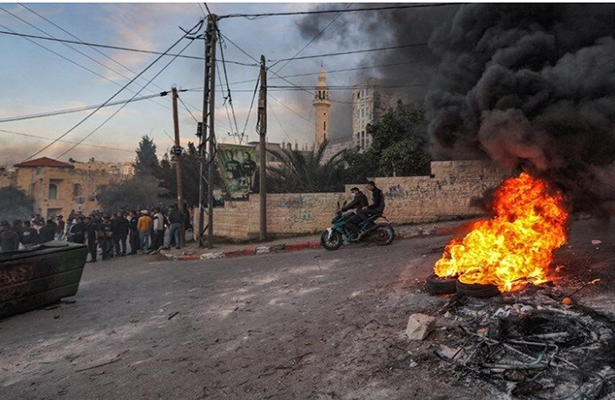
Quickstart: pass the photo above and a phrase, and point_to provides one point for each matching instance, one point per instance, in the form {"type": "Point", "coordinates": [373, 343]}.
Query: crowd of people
{"type": "Point", "coordinates": [106, 234]}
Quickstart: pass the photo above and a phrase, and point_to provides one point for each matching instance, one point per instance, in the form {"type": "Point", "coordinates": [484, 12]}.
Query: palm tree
{"type": "Point", "coordinates": [305, 172]}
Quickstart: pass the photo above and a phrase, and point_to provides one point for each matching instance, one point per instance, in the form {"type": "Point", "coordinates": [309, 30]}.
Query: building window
{"type": "Point", "coordinates": [325, 125]}
{"type": "Point", "coordinates": [77, 190]}
{"type": "Point", "coordinates": [358, 94]}
{"type": "Point", "coordinates": [53, 191]}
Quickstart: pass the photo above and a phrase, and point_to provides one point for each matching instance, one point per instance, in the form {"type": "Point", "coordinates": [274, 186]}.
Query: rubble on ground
{"type": "Point", "coordinates": [525, 345]}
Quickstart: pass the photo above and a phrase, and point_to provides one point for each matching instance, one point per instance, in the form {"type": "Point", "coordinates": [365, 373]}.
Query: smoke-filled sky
{"type": "Point", "coordinates": [36, 80]}
{"type": "Point", "coordinates": [530, 86]}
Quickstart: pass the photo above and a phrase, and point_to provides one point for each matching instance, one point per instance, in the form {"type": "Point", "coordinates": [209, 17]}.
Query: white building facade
{"type": "Point", "coordinates": [368, 106]}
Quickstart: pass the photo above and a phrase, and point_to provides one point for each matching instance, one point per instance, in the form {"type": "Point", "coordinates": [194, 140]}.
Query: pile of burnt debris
{"type": "Point", "coordinates": [528, 345]}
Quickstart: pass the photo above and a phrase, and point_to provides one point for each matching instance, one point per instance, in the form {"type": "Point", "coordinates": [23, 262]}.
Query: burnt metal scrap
{"type": "Point", "coordinates": [531, 347]}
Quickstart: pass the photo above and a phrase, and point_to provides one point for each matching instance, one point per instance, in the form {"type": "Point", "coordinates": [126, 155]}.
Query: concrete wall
{"type": "Point", "coordinates": [444, 195]}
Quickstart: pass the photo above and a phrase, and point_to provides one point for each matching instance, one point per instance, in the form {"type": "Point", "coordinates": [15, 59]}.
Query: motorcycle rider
{"type": "Point", "coordinates": [377, 207]}
{"type": "Point", "coordinates": [359, 201]}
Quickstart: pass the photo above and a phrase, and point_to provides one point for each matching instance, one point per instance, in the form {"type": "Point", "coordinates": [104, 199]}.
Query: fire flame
{"type": "Point", "coordinates": [516, 245]}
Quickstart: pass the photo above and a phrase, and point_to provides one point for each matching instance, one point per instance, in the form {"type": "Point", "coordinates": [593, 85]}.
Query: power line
{"type": "Point", "coordinates": [251, 104]}
{"type": "Point", "coordinates": [125, 104]}
{"type": "Point", "coordinates": [13, 33]}
{"type": "Point", "coordinates": [94, 49]}
{"type": "Point", "coordinates": [398, 7]}
{"type": "Point", "coordinates": [200, 23]}
{"type": "Point", "coordinates": [229, 96]}
{"type": "Point", "coordinates": [187, 109]}
{"type": "Point", "coordinates": [343, 53]}
{"type": "Point", "coordinates": [279, 123]}
{"type": "Point", "coordinates": [78, 109]}
{"type": "Point", "coordinates": [313, 39]}
{"type": "Point", "coordinates": [64, 141]}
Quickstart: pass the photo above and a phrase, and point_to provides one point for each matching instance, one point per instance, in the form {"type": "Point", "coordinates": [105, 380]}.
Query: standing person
{"type": "Point", "coordinates": [18, 229]}
{"type": "Point", "coordinates": [47, 232]}
{"type": "Point", "coordinates": [106, 232]}
{"type": "Point", "coordinates": [158, 238]}
{"type": "Point", "coordinates": [29, 235]}
{"type": "Point", "coordinates": [133, 221]}
{"type": "Point", "coordinates": [9, 239]}
{"type": "Point", "coordinates": [121, 226]}
{"type": "Point", "coordinates": [176, 218]}
{"type": "Point", "coordinates": [144, 226]}
{"type": "Point", "coordinates": [78, 231]}
{"type": "Point", "coordinates": [60, 226]}
{"type": "Point", "coordinates": [91, 234]}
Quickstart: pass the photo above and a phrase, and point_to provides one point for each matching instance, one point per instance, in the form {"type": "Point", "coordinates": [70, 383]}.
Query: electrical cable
{"type": "Point", "coordinates": [382, 8]}
{"type": "Point", "coordinates": [11, 32]}
{"type": "Point", "coordinates": [229, 96]}
{"type": "Point", "coordinates": [198, 25]}
{"type": "Point", "coordinates": [96, 50]}
{"type": "Point", "coordinates": [78, 109]}
{"type": "Point", "coordinates": [187, 109]}
{"type": "Point", "coordinates": [343, 53]}
{"type": "Point", "coordinates": [279, 123]}
{"type": "Point", "coordinates": [251, 105]}
{"type": "Point", "coordinates": [125, 104]}
{"type": "Point", "coordinates": [311, 41]}
{"type": "Point", "coordinates": [65, 141]}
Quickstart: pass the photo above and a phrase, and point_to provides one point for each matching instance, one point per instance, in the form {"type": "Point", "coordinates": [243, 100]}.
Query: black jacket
{"type": "Point", "coordinates": [29, 236]}
{"type": "Point", "coordinates": [176, 217]}
{"type": "Point", "coordinates": [120, 226]}
{"type": "Point", "coordinates": [47, 233]}
{"type": "Point", "coordinates": [359, 202]}
{"type": "Point", "coordinates": [378, 201]}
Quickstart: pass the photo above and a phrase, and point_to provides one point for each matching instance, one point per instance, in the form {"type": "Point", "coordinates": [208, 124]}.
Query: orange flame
{"type": "Point", "coordinates": [516, 245]}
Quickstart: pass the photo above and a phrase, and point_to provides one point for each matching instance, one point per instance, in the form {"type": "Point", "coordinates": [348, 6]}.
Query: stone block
{"type": "Point", "coordinates": [420, 326]}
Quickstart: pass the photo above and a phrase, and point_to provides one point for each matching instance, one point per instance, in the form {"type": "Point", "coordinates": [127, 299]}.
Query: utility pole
{"type": "Point", "coordinates": [262, 110]}
{"type": "Point", "coordinates": [207, 136]}
{"type": "Point", "coordinates": [177, 152]}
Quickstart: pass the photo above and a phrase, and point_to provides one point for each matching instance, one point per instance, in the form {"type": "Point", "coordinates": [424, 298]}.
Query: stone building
{"type": "Point", "coordinates": [368, 105]}
{"type": "Point", "coordinates": [321, 104]}
{"type": "Point", "coordinates": [58, 187]}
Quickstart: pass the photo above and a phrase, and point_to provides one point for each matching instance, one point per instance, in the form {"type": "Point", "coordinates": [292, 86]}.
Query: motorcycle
{"type": "Point", "coordinates": [369, 231]}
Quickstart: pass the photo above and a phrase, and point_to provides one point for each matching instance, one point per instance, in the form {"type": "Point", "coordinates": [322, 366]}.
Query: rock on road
{"type": "Point", "coordinates": [306, 325]}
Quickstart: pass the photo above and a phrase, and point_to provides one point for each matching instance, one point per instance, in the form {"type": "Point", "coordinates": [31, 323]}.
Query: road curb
{"type": "Point", "coordinates": [292, 247]}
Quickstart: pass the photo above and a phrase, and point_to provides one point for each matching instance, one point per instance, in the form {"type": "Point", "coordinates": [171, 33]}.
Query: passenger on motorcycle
{"type": "Point", "coordinates": [377, 207]}
{"type": "Point", "coordinates": [359, 201]}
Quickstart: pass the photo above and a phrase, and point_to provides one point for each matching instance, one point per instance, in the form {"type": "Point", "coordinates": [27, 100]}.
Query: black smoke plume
{"type": "Point", "coordinates": [529, 86]}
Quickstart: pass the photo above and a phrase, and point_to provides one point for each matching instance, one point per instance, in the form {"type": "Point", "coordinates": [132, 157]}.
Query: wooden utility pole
{"type": "Point", "coordinates": [177, 153]}
{"type": "Point", "coordinates": [262, 118]}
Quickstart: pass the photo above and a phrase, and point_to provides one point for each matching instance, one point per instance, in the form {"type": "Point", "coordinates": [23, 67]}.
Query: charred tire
{"type": "Point", "coordinates": [332, 242]}
{"type": "Point", "coordinates": [383, 235]}
{"type": "Point", "coordinates": [436, 285]}
{"type": "Point", "coordinates": [477, 289]}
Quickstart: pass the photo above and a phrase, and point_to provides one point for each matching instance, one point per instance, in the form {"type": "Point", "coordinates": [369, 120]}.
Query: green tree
{"type": "Point", "coordinates": [190, 176]}
{"type": "Point", "coordinates": [138, 191]}
{"type": "Point", "coordinates": [14, 204]}
{"type": "Point", "coordinates": [303, 172]}
{"type": "Point", "coordinates": [399, 145]}
{"type": "Point", "coordinates": [146, 162]}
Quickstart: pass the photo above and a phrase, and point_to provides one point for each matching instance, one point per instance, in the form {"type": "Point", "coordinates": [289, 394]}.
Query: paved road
{"type": "Point", "coordinates": [305, 325]}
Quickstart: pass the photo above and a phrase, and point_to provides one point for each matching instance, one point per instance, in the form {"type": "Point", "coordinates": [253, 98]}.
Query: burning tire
{"type": "Point", "coordinates": [476, 289]}
{"type": "Point", "coordinates": [436, 285]}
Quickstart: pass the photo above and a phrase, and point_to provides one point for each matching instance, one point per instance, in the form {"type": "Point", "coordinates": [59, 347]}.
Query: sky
{"type": "Point", "coordinates": [36, 80]}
